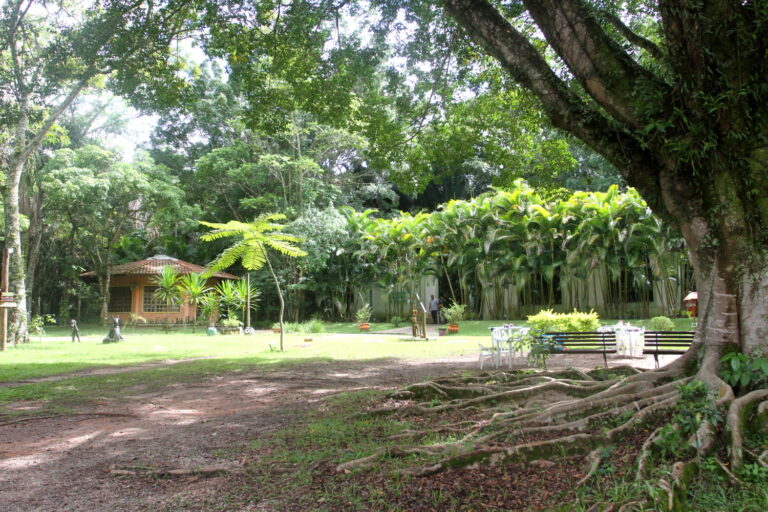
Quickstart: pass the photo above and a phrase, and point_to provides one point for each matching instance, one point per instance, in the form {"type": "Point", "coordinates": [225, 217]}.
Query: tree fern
{"type": "Point", "coordinates": [256, 238]}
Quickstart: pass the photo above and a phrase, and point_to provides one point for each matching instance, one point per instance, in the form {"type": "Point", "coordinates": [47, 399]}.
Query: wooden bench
{"type": "Point", "coordinates": [589, 342]}
{"type": "Point", "coordinates": [667, 342]}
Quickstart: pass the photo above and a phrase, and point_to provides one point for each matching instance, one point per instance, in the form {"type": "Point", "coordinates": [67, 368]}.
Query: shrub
{"type": "Point", "coordinates": [38, 322]}
{"type": "Point", "coordinates": [745, 372]}
{"type": "Point", "coordinates": [396, 321]}
{"type": "Point", "coordinates": [290, 327]}
{"type": "Point", "coordinates": [136, 319]}
{"type": "Point", "coordinates": [549, 321]}
{"type": "Point", "coordinates": [454, 313]}
{"type": "Point", "coordinates": [230, 322]}
{"type": "Point", "coordinates": [662, 323]}
{"type": "Point", "coordinates": [313, 326]}
{"type": "Point", "coordinates": [363, 314]}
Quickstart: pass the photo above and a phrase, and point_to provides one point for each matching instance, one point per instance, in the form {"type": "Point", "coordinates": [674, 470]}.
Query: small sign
{"type": "Point", "coordinates": [8, 304]}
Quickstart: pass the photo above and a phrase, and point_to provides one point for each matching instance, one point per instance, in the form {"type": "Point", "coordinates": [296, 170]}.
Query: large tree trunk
{"type": "Point", "coordinates": [731, 272]}
{"type": "Point", "coordinates": [18, 324]}
{"type": "Point", "coordinates": [18, 331]}
{"type": "Point", "coordinates": [34, 242]}
{"type": "Point", "coordinates": [104, 282]}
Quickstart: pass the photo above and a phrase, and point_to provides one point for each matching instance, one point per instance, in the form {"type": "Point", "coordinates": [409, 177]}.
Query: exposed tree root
{"type": "Point", "coordinates": [594, 458]}
{"type": "Point", "coordinates": [522, 417]}
{"type": "Point", "coordinates": [739, 413]}
{"type": "Point", "coordinates": [645, 452]}
{"type": "Point", "coordinates": [584, 403]}
{"type": "Point", "coordinates": [630, 506]}
{"type": "Point", "coordinates": [513, 395]}
{"type": "Point", "coordinates": [460, 427]}
{"type": "Point", "coordinates": [634, 394]}
{"type": "Point", "coordinates": [427, 390]}
{"type": "Point", "coordinates": [676, 487]}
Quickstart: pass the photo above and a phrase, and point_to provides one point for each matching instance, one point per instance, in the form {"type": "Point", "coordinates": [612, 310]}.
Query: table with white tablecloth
{"type": "Point", "coordinates": [630, 340]}
{"type": "Point", "coordinates": [507, 341]}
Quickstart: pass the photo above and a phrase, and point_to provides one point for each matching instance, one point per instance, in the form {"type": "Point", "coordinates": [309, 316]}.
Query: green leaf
{"type": "Point", "coordinates": [745, 379]}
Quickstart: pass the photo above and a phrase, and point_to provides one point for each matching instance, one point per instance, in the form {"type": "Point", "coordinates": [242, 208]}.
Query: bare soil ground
{"type": "Point", "coordinates": [73, 462]}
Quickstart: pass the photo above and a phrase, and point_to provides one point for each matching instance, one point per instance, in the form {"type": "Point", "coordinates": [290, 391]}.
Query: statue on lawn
{"type": "Point", "coordinates": [114, 333]}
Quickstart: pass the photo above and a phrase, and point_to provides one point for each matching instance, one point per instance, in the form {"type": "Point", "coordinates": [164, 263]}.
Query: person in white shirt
{"type": "Point", "coordinates": [434, 309]}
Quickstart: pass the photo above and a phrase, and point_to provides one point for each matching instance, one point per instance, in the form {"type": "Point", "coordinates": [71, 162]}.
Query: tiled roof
{"type": "Point", "coordinates": [155, 264]}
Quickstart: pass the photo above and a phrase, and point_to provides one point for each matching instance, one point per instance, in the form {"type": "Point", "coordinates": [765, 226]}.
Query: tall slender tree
{"type": "Point", "coordinates": [254, 242]}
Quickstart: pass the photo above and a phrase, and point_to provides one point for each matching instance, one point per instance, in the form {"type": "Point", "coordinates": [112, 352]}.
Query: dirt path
{"type": "Point", "coordinates": [66, 463]}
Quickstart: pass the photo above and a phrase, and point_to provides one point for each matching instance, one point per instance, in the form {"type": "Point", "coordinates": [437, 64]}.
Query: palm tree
{"type": "Point", "coordinates": [256, 238]}
{"type": "Point", "coordinates": [209, 303]}
{"type": "Point", "coordinates": [229, 297]}
{"type": "Point", "coordinates": [168, 287]}
{"type": "Point", "coordinates": [194, 287]}
{"type": "Point", "coordinates": [248, 295]}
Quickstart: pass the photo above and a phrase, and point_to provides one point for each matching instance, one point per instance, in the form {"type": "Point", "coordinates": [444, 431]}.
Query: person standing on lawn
{"type": "Point", "coordinates": [75, 330]}
{"type": "Point", "coordinates": [434, 309]}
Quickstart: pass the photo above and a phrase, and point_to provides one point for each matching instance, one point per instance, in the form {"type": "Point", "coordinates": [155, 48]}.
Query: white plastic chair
{"type": "Point", "coordinates": [499, 339]}
{"type": "Point", "coordinates": [487, 352]}
{"type": "Point", "coordinates": [518, 343]}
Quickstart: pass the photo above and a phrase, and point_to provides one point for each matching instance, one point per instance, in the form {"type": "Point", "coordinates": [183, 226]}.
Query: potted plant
{"type": "Point", "coordinates": [276, 327]}
{"type": "Point", "coordinates": [453, 315]}
{"type": "Point", "coordinates": [230, 326]}
{"type": "Point", "coordinates": [363, 315]}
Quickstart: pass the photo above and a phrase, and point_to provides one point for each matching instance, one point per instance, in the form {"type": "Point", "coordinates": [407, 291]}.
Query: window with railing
{"type": "Point", "coordinates": [119, 299]}
{"type": "Point", "coordinates": [153, 304]}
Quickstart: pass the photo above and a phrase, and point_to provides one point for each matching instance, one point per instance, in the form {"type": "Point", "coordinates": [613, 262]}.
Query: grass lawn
{"type": "Point", "coordinates": [54, 353]}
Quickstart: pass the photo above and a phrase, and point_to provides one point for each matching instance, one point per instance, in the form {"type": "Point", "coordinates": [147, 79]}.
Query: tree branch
{"type": "Point", "coordinates": [567, 110]}
{"type": "Point", "coordinates": [607, 73]}
{"type": "Point", "coordinates": [34, 144]}
{"type": "Point", "coordinates": [633, 37]}
{"type": "Point", "coordinates": [15, 19]}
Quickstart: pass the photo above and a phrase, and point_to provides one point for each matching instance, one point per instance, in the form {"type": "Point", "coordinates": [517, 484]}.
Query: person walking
{"type": "Point", "coordinates": [75, 330]}
{"type": "Point", "coordinates": [434, 309]}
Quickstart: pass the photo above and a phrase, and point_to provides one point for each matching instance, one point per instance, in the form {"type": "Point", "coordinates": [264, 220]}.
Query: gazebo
{"type": "Point", "coordinates": [131, 290]}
